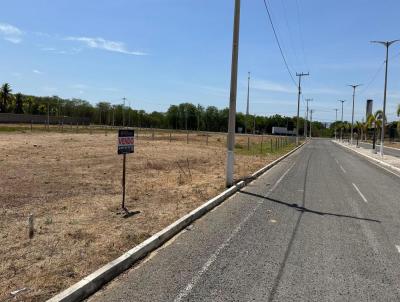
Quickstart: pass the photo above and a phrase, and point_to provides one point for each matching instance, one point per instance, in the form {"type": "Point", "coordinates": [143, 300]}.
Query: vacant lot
{"type": "Point", "coordinates": [71, 183]}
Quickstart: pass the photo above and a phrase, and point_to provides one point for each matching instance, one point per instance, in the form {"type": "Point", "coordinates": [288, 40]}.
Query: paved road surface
{"type": "Point", "coordinates": [388, 151]}
{"type": "Point", "coordinates": [323, 225]}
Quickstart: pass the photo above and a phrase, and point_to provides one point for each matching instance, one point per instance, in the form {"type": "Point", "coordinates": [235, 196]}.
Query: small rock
{"type": "Point", "coordinates": [15, 292]}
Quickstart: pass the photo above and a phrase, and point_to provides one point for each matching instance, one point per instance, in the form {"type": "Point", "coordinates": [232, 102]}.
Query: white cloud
{"type": "Point", "coordinates": [11, 33]}
{"type": "Point", "coordinates": [37, 71]}
{"type": "Point", "coordinates": [101, 43]}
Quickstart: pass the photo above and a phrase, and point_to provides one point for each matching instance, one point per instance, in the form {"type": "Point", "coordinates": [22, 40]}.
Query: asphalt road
{"type": "Point", "coordinates": [388, 151]}
{"type": "Point", "coordinates": [323, 225]}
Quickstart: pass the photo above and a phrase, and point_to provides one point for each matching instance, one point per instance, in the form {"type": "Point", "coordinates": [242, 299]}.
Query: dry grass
{"type": "Point", "coordinates": [72, 185]}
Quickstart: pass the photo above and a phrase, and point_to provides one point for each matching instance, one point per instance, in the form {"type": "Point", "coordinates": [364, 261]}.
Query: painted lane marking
{"type": "Point", "coordinates": [359, 192]}
{"type": "Point", "coordinates": [398, 248]}
{"type": "Point", "coordinates": [337, 161]}
{"type": "Point", "coordinates": [196, 278]}
{"type": "Point", "coordinates": [344, 171]}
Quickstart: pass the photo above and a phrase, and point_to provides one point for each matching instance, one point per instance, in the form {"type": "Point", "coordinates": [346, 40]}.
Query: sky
{"type": "Point", "coordinates": [162, 52]}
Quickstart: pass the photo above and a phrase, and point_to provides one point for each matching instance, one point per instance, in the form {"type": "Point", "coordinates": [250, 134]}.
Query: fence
{"type": "Point", "coordinates": [12, 118]}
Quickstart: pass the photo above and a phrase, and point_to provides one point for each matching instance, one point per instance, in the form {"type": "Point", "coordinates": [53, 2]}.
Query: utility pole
{"type": "Point", "coordinates": [305, 122]}
{"type": "Point", "coordinates": [387, 45]}
{"type": "Point", "coordinates": [298, 104]}
{"type": "Point", "coordinates": [129, 113]}
{"type": "Point", "coordinates": [48, 114]}
{"type": "Point", "coordinates": [341, 128]}
{"type": "Point", "coordinates": [352, 112]}
{"type": "Point", "coordinates": [232, 100]}
{"type": "Point", "coordinates": [248, 101]}
{"type": "Point", "coordinates": [311, 111]}
{"type": "Point", "coordinates": [123, 112]}
{"type": "Point", "coordinates": [336, 122]}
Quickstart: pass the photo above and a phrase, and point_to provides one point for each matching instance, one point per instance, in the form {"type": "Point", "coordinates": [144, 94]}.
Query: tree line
{"type": "Point", "coordinates": [185, 116]}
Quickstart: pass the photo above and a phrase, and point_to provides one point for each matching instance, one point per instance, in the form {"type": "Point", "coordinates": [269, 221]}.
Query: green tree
{"type": "Point", "coordinates": [18, 103]}
{"type": "Point", "coordinates": [5, 97]}
{"type": "Point", "coordinates": [398, 123]}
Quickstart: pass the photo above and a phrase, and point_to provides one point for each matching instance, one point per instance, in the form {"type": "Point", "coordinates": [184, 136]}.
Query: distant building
{"type": "Point", "coordinates": [283, 131]}
{"type": "Point", "coordinates": [368, 109]}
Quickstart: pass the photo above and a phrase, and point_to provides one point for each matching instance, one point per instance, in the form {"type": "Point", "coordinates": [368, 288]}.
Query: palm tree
{"type": "Point", "coordinates": [398, 123]}
{"type": "Point", "coordinates": [360, 128]}
{"type": "Point", "coordinates": [5, 96]}
{"type": "Point", "coordinates": [365, 129]}
{"type": "Point", "coordinates": [18, 103]}
{"type": "Point", "coordinates": [375, 121]}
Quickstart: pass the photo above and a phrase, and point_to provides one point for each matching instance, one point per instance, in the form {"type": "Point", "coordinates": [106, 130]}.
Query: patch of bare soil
{"type": "Point", "coordinates": [71, 183]}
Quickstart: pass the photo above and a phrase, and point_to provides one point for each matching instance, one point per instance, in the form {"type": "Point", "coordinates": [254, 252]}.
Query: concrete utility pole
{"type": "Point", "coordinates": [248, 101]}
{"type": "Point", "coordinates": [305, 122]}
{"type": "Point", "coordinates": [298, 105]}
{"type": "Point", "coordinates": [341, 128]}
{"type": "Point", "coordinates": [48, 114]}
{"type": "Point", "coordinates": [352, 112]}
{"type": "Point", "coordinates": [336, 122]}
{"type": "Point", "coordinates": [311, 111]}
{"type": "Point", "coordinates": [386, 44]}
{"type": "Point", "coordinates": [129, 113]}
{"type": "Point", "coordinates": [232, 100]}
{"type": "Point", "coordinates": [123, 112]}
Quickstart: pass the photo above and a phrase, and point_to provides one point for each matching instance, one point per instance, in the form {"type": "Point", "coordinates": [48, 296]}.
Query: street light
{"type": "Point", "coordinates": [341, 128]}
{"type": "Point", "coordinates": [352, 112]}
{"type": "Point", "coordinates": [386, 44]}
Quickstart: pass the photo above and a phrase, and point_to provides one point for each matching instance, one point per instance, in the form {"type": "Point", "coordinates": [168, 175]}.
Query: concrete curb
{"type": "Point", "coordinates": [369, 157]}
{"type": "Point", "coordinates": [93, 282]}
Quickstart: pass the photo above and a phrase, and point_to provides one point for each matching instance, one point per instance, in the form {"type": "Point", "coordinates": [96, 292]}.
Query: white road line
{"type": "Point", "coordinates": [398, 248]}
{"type": "Point", "coordinates": [336, 161]}
{"type": "Point", "coordinates": [189, 287]}
{"type": "Point", "coordinates": [359, 192]}
{"type": "Point", "coordinates": [344, 171]}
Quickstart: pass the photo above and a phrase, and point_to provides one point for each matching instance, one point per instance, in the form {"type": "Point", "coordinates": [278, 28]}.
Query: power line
{"type": "Point", "coordinates": [301, 35]}
{"type": "Point", "coordinates": [279, 44]}
{"type": "Point", "coordinates": [373, 78]}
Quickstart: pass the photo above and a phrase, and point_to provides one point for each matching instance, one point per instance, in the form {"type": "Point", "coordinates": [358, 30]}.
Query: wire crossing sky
{"type": "Point", "coordinates": [162, 52]}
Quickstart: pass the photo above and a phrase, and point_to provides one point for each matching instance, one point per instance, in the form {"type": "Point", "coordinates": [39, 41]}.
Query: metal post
{"type": "Point", "coordinates": [298, 104]}
{"type": "Point", "coordinates": [123, 112]}
{"type": "Point", "coordinates": [232, 100]}
{"type": "Point", "coordinates": [386, 44]}
{"type": "Point", "coordinates": [341, 128]}
{"type": "Point", "coordinates": [248, 101]}
{"type": "Point", "coordinates": [352, 112]}
{"type": "Point", "coordinates": [306, 121]}
{"type": "Point", "coordinates": [336, 122]}
{"type": "Point", "coordinates": [123, 182]}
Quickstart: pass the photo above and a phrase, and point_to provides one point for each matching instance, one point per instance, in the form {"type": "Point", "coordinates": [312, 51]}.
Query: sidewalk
{"type": "Point", "coordinates": [387, 160]}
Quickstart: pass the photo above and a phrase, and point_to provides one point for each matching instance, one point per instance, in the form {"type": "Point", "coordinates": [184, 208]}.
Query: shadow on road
{"type": "Point", "coordinates": [303, 209]}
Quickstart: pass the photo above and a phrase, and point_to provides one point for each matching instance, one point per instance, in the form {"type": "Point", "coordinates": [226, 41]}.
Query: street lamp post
{"type": "Point", "coordinates": [336, 122]}
{"type": "Point", "coordinates": [341, 128]}
{"type": "Point", "coordinates": [232, 99]}
{"type": "Point", "coordinates": [352, 112]}
{"type": "Point", "coordinates": [386, 44]}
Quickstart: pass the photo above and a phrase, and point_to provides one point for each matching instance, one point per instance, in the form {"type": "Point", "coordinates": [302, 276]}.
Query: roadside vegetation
{"type": "Point", "coordinates": [185, 116]}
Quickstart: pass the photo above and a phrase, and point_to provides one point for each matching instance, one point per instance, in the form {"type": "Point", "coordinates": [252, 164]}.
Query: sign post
{"type": "Point", "coordinates": [126, 139]}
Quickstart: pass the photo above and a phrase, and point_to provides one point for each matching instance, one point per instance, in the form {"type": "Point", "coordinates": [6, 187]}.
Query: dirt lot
{"type": "Point", "coordinates": [71, 183]}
